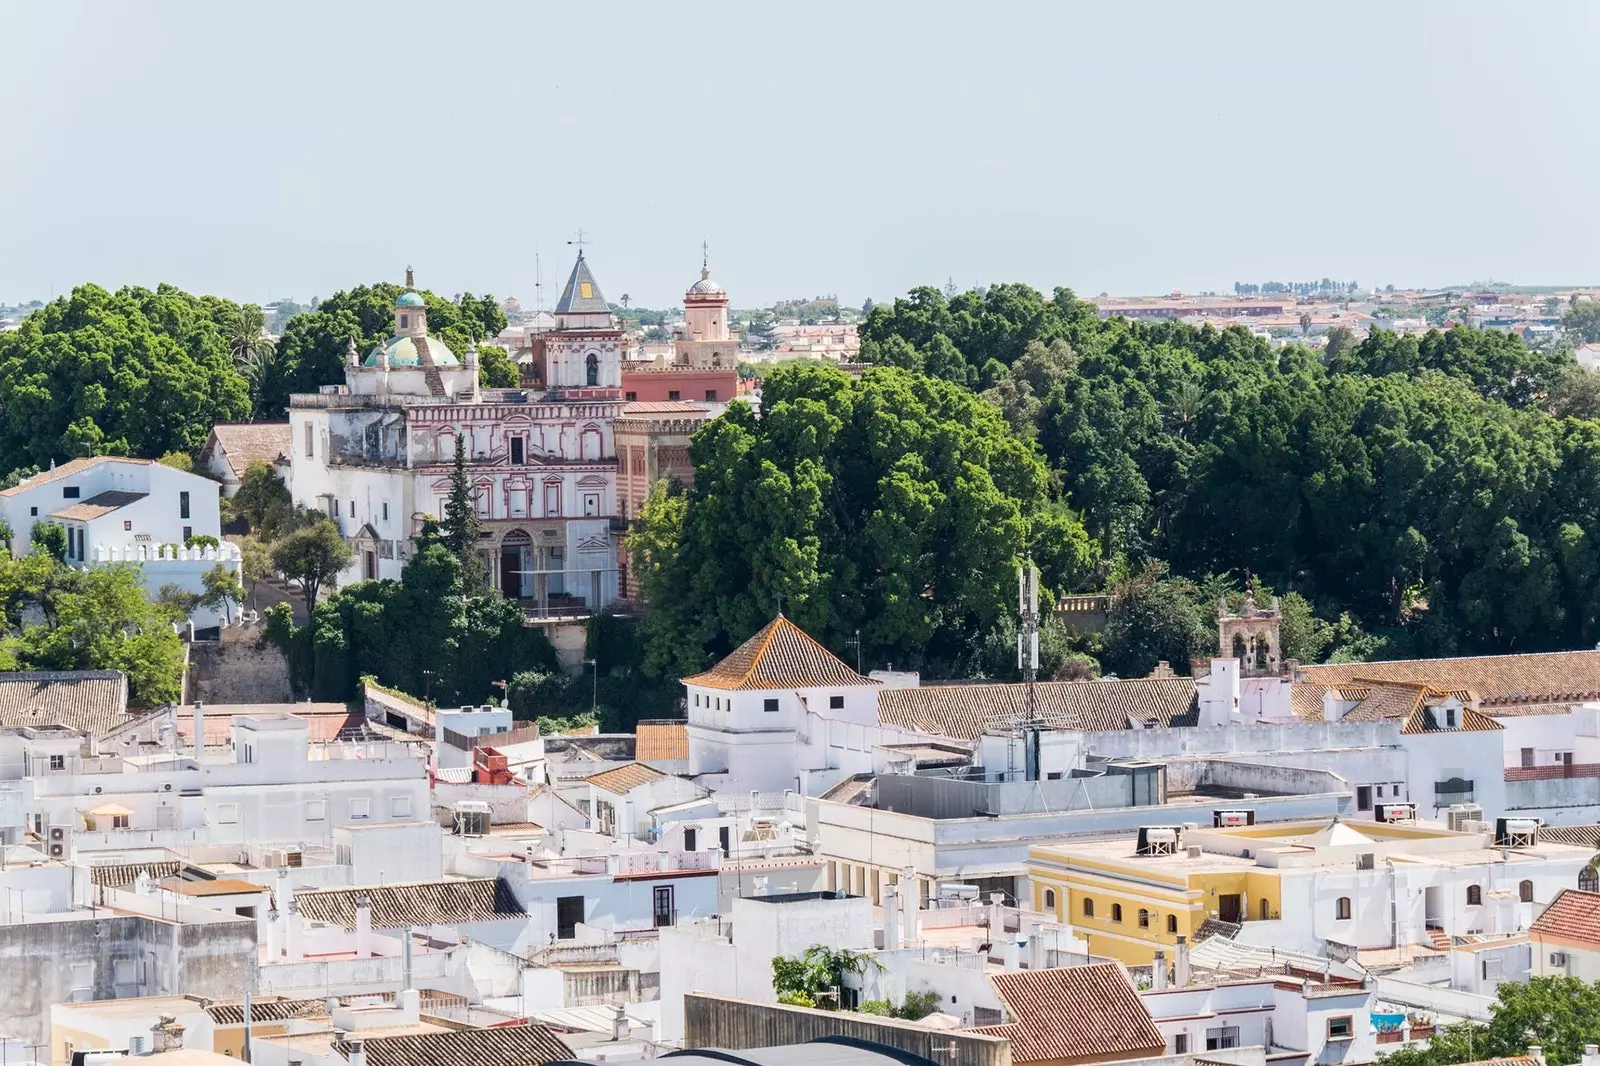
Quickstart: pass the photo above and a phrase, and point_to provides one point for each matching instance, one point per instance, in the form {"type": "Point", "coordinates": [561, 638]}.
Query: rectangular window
{"type": "Point", "coordinates": [569, 912]}
{"type": "Point", "coordinates": [227, 814]}
{"type": "Point", "coordinates": [385, 510]}
{"type": "Point", "coordinates": [1180, 1044]}
{"type": "Point", "coordinates": [360, 808]}
{"type": "Point", "coordinates": [119, 821]}
{"type": "Point", "coordinates": [352, 508]}
{"type": "Point", "coordinates": [835, 703]}
{"type": "Point", "coordinates": [630, 396]}
{"type": "Point", "coordinates": [33, 512]}
{"type": "Point", "coordinates": [188, 532]}
{"type": "Point", "coordinates": [711, 394]}
{"type": "Point", "coordinates": [1363, 797]}
{"type": "Point", "coordinates": [125, 972]}
{"type": "Point", "coordinates": [336, 508]}
{"type": "Point", "coordinates": [58, 762]}
{"type": "Point", "coordinates": [310, 441]}
{"type": "Point", "coordinates": [71, 492]}
{"type": "Point", "coordinates": [1341, 1028]}
{"type": "Point", "coordinates": [127, 525]}
{"type": "Point", "coordinates": [82, 976]}
{"type": "Point", "coordinates": [1527, 756]}
{"type": "Point", "coordinates": [673, 394]}
{"type": "Point", "coordinates": [516, 451]}
{"type": "Point", "coordinates": [1225, 1037]}
{"type": "Point", "coordinates": [183, 505]}
{"type": "Point", "coordinates": [400, 807]}
{"type": "Point", "coordinates": [316, 810]}
{"type": "Point", "coordinates": [770, 705]}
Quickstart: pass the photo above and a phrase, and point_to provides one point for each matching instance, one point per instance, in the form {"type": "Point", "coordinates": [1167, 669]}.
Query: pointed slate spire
{"type": "Point", "coordinates": [582, 294]}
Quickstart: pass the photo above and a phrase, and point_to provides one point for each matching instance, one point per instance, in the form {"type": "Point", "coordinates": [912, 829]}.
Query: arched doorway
{"type": "Point", "coordinates": [516, 565]}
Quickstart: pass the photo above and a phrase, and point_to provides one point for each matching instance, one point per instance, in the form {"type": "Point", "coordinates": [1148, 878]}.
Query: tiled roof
{"type": "Point", "coordinates": [965, 711]}
{"type": "Point", "coordinates": [93, 701]}
{"type": "Point", "coordinates": [267, 1010]}
{"type": "Point", "coordinates": [222, 886]}
{"type": "Point", "coordinates": [780, 656]}
{"type": "Point", "coordinates": [669, 408]}
{"type": "Point", "coordinates": [623, 779]}
{"type": "Point", "coordinates": [512, 1045]}
{"type": "Point", "coordinates": [1583, 836]}
{"type": "Point", "coordinates": [70, 468]}
{"type": "Point", "coordinates": [1498, 680]}
{"type": "Point", "coordinates": [1426, 720]}
{"type": "Point", "coordinates": [1573, 917]}
{"type": "Point", "coordinates": [1306, 702]}
{"type": "Point", "coordinates": [1076, 1012]}
{"type": "Point", "coordinates": [251, 442]}
{"type": "Point", "coordinates": [479, 899]}
{"type": "Point", "coordinates": [324, 721]}
{"type": "Point", "coordinates": [98, 505]}
{"type": "Point", "coordinates": [123, 874]}
{"type": "Point", "coordinates": [661, 740]}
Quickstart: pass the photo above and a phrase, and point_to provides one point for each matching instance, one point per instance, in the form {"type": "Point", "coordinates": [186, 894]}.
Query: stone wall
{"type": "Point", "coordinates": [239, 667]}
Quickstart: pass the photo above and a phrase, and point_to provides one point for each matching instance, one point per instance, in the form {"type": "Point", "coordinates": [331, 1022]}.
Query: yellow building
{"type": "Point", "coordinates": [1129, 896]}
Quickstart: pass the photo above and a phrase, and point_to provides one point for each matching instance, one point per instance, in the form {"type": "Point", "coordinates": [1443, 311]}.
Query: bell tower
{"type": "Point", "coordinates": [1251, 636]}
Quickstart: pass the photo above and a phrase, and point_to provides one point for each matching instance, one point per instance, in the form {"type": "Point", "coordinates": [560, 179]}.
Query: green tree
{"type": "Point", "coordinates": [1154, 617]}
{"type": "Point", "coordinates": [50, 538]}
{"type": "Point", "coordinates": [313, 555]}
{"type": "Point", "coordinates": [459, 526]}
{"type": "Point", "coordinates": [816, 973]}
{"type": "Point", "coordinates": [1557, 1013]}
{"type": "Point", "coordinates": [178, 461]}
{"type": "Point", "coordinates": [263, 500]}
{"type": "Point", "coordinates": [221, 590]}
{"type": "Point", "coordinates": [1582, 322]}
{"type": "Point", "coordinates": [496, 369]}
{"type": "Point", "coordinates": [255, 563]}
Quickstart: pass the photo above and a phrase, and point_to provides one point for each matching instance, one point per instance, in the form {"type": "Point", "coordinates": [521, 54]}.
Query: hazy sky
{"type": "Point", "coordinates": [261, 150]}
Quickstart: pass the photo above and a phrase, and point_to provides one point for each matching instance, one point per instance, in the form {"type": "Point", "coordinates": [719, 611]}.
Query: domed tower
{"type": "Point", "coordinates": [706, 339]}
{"type": "Point", "coordinates": [410, 312]}
{"type": "Point", "coordinates": [411, 363]}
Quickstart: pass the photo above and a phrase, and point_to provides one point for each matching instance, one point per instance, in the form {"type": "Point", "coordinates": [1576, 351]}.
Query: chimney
{"type": "Point", "coordinates": [274, 934]}
{"type": "Point", "coordinates": [199, 730]}
{"type": "Point", "coordinates": [293, 934]}
{"type": "Point", "coordinates": [910, 903]}
{"type": "Point", "coordinates": [1158, 971]}
{"type": "Point", "coordinates": [1180, 963]}
{"type": "Point", "coordinates": [363, 926]}
{"type": "Point", "coordinates": [166, 1034]}
{"type": "Point", "coordinates": [891, 917]}
{"type": "Point", "coordinates": [409, 1002]}
{"type": "Point", "coordinates": [1536, 1053]}
{"type": "Point", "coordinates": [619, 1024]}
{"type": "Point", "coordinates": [355, 1052]}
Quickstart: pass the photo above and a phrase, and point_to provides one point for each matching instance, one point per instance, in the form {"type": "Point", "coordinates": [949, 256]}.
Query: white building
{"type": "Point", "coordinates": [375, 454]}
{"type": "Point", "coordinates": [126, 510]}
{"type": "Point", "coordinates": [1566, 936]}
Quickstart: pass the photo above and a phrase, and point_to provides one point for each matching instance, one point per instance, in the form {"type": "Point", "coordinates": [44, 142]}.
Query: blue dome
{"type": "Point", "coordinates": [410, 299]}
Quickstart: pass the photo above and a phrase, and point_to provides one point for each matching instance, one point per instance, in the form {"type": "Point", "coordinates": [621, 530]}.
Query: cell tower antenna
{"type": "Point", "coordinates": [1028, 628]}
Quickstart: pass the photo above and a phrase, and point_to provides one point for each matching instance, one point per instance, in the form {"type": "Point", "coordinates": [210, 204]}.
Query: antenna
{"type": "Point", "coordinates": [855, 642]}
{"type": "Point", "coordinates": [1028, 629]}
{"type": "Point", "coordinates": [538, 284]}
{"type": "Point", "coordinates": [580, 241]}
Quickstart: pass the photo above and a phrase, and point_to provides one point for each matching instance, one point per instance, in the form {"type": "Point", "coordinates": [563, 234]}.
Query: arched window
{"type": "Point", "coordinates": [1341, 908]}
{"type": "Point", "coordinates": [1116, 912]}
{"type": "Point", "coordinates": [1589, 879]}
{"type": "Point", "coordinates": [1144, 918]}
{"type": "Point", "coordinates": [1525, 891]}
{"type": "Point", "coordinates": [1050, 898]}
{"type": "Point", "coordinates": [1263, 646]}
{"type": "Point", "coordinates": [1088, 908]}
{"type": "Point", "coordinates": [1474, 895]}
{"type": "Point", "coordinates": [1238, 647]}
{"type": "Point", "coordinates": [1172, 923]}
{"type": "Point", "coordinates": [593, 365]}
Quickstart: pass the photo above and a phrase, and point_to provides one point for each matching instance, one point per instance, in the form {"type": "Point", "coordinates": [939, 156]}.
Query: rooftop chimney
{"type": "Point", "coordinates": [199, 730]}
{"type": "Point", "coordinates": [1536, 1053]}
{"type": "Point", "coordinates": [1591, 1055]}
{"type": "Point", "coordinates": [1180, 963]}
{"type": "Point", "coordinates": [355, 1052]}
{"type": "Point", "coordinates": [364, 926]}
{"type": "Point", "coordinates": [166, 1034]}
{"type": "Point", "coordinates": [891, 917]}
{"type": "Point", "coordinates": [619, 1024]}
{"type": "Point", "coordinates": [1158, 971]}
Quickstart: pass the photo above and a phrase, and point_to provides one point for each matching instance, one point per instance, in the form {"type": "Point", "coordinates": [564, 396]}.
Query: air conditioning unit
{"type": "Point", "coordinates": [58, 851]}
{"type": "Point", "coordinates": [1397, 812]}
{"type": "Point", "coordinates": [1228, 819]}
{"type": "Point", "coordinates": [167, 787]}
{"type": "Point", "coordinates": [1558, 958]}
{"type": "Point", "coordinates": [98, 790]}
{"type": "Point", "coordinates": [1458, 815]}
{"type": "Point", "coordinates": [58, 833]}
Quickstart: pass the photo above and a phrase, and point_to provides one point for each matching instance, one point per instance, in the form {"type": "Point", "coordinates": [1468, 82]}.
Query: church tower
{"type": "Point", "coordinates": [584, 351]}
{"type": "Point", "coordinates": [706, 340]}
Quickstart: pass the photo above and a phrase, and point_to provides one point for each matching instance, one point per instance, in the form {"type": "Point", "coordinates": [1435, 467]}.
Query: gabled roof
{"type": "Point", "coordinates": [479, 899]}
{"type": "Point", "coordinates": [249, 442]}
{"type": "Point", "coordinates": [512, 1045]}
{"type": "Point", "coordinates": [1075, 1012]}
{"type": "Point", "coordinates": [1560, 677]}
{"type": "Point", "coordinates": [967, 711]}
{"type": "Point", "coordinates": [92, 701]}
{"type": "Point", "coordinates": [582, 294]}
{"type": "Point", "coordinates": [1573, 917]}
{"type": "Point", "coordinates": [123, 874]}
{"type": "Point", "coordinates": [623, 779]}
{"type": "Point", "coordinates": [71, 468]}
{"type": "Point", "coordinates": [267, 1010]}
{"type": "Point", "coordinates": [780, 656]}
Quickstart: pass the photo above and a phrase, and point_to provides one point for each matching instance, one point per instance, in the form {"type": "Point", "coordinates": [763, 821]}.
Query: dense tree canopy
{"type": "Point", "coordinates": [895, 504]}
{"type": "Point", "coordinates": [1442, 488]}
{"type": "Point", "coordinates": [1556, 1013]}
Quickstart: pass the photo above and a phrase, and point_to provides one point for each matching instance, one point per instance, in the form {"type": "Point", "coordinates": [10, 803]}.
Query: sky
{"type": "Point", "coordinates": [289, 149]}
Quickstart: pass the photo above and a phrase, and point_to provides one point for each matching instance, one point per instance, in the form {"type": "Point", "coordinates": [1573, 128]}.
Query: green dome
{"type": "Point", "coordinates": [409, 299]}
{"type": "Point", "coordinates": [408, 351]}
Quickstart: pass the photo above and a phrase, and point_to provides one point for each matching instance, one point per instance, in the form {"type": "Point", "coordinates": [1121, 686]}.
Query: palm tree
{"type": "Point", "coordinates": [254, 355]}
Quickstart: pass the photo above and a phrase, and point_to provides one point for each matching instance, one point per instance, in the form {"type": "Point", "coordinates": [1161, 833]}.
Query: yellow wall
{"type": "Point", "coordinates": [61, 1037]}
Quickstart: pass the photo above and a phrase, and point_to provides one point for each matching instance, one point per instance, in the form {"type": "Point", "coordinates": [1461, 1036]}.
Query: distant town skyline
{"type": "Point", "coordinates": [261, 153]}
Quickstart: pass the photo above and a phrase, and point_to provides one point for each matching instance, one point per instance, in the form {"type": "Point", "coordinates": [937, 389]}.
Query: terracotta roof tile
{"type": "Point", "coordinates": [780, 656]}
{"type": "Point", "coordinates": [93, 701]}
{"type": "Point", "coordinates": [98, 505]}
{"type": "Point", "coordinates": [252, 442]}
{"type": "Point", "coordinates": [1076, 1012]}
{"type": "Point", "coordinates": [479, 899]}
{"type": "Point", "coordinates": [661, 740]}
{"type": "Point", "coordinates": [966, 711]}
{"type": "Point", "coordinates": [267, 1010]}
{"type": "Point", "coordinates": [1560, 677]}
{"type": "Point", "coordinates": [1573, 917]}
{"type": "Point", "coordinates": [625, 778]}
{"type": "Point", "coordinates": [512, 1045]}
{"type": "Point", "coordinates": [222, 886]}
{"type": "Point", "coordinates": [123, 874]}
